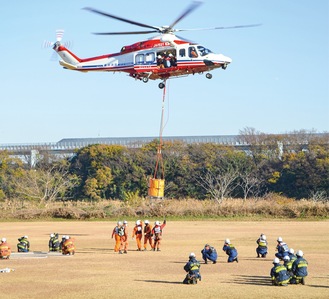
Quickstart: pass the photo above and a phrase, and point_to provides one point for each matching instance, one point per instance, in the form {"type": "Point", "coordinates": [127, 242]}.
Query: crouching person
{"type": "Point", "coordinates": [209, 253]}
{"type": "Point", "coordinates": [231, 251]}
{"type": "Point", "coordinates": [299, 269]}
{"type": "Point", "coordinates": [54, 244]}
{"type": "Point", "coordinates": [279, 274]}
{"type": "Point", "coordinates": [192, 267]}
{"type": "Point", "coordinates": [23, 244]}
{"type": "Point", "coordinates": [262, 246]}
{"type": "Point", "coordinates": [5, 250]}
{"type": "Point", "coordinates": [68, 247]}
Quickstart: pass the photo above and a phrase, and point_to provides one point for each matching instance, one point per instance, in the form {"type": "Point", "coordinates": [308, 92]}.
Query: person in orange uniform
{"type": "Point", "coordinates": [124, 239]}
{"type": "Point", "coordinates": [157, 233]}
{"type": "Point", "coordinates": [138, 233]}
{"type": "Point", "coordinates": [5, 250]}
{"type": "Point", "coordinates": [68, 247]}
{"type": "Point", "coordinates": [147, 234]}
{"type": "Point", "coordinates": [117, 233]}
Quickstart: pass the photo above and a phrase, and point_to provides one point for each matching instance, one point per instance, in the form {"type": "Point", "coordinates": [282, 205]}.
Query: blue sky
{"type": "Point", "coordinates": [278, 81]}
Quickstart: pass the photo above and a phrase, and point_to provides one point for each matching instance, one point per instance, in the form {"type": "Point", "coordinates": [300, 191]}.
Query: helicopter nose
{"type": "Point", "coordinates": [225, 58]}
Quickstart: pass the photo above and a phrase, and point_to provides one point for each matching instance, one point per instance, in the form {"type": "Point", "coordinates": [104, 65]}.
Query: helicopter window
{"type": "Point", "coordinates": [150, 57]}
{"type": "Point", "coordinates": [203, 51]}
{"type": "Point", "coordinates": [192, 52]}
{"type": "Point", "coordinates": [139, 59]}
{"type": "Point", "coordinates": [182, 53]}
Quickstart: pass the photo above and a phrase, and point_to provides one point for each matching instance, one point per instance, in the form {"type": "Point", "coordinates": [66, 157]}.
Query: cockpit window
{"type": "Point", "coordinates": [203, 51]}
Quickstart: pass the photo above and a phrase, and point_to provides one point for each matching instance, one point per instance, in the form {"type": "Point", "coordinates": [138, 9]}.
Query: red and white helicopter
{"type": "Point", "coordinates": [159, 57]}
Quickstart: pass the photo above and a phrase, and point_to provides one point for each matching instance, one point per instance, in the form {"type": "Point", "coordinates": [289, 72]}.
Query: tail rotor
{"type": "Point", "coordinates": [59, 37]}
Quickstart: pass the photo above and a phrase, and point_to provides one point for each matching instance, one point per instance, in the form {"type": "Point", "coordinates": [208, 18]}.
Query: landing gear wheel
{"type": "Point", "coordinates": [224, 66]}
{"type": "Point", "coordinates": [161, 85]}
{"type": "Point", "coordinates": [145, 79]}
{"type": "Point", "coordinates": [208, 76]}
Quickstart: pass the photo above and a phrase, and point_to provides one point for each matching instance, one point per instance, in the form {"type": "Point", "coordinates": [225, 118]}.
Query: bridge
{"type": "Point", "coordinates": [67, 147]}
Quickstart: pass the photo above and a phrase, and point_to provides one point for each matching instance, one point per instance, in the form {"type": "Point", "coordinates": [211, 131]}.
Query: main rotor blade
{"type": "Point", "coordinates": [215, 28]}
{"type": "Point", "coordinates": [121, 19]}
{"type": "Point", "coordinates": [187, 11]}
{"type": "Point", "coordinates": [125, 32]}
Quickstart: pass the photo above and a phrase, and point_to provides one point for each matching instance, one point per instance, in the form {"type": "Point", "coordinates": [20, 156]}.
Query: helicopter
{"type": "Point", "coordinates": [161, 57]}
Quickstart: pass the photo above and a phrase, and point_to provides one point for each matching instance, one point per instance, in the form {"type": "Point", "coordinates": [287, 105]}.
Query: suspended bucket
{"type": "Point", "coordinates": [156, 188]}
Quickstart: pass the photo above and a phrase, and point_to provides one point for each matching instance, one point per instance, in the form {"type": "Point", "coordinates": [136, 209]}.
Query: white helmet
{"type": "Point", "coordinates": [146, 222]}
{"type": "Point", "coordinates": [119, 223]}
{"type": "Point", "coordinates": [192, 254]}
{"type": "Point", "coordinates": [263, 237]}
{"type": "Point", "coordinates": [276, 261]}
{"type": "Point", "coordinates": [26, 237]}
{"type": "Point", "coordinates": [299, 253]}
{"type": "Point", "coordinates": [286, 258]}
{"type": "Point", "coordinates": [52, 235]}
{"type": "Point", "coordinates": [291, 250]}
{"type": "Point", "coordinates": [125, 222]}
{"type": "Point", "coordinates": [3, 240]}
{"type": "Point", "coordinates": [279, 239]}
{"type": "Point", "coordinates": [67, 237]}
{"type": "Point", "coordinates": [157, 223]}
{"type": "Point", "coordinates": [227, 241]}
{"type": "Point", "coordinates": [138, 222]}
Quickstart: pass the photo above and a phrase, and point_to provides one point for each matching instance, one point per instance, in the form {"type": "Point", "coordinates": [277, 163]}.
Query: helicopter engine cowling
{"type": "Point", "coordinates": [169, 38]}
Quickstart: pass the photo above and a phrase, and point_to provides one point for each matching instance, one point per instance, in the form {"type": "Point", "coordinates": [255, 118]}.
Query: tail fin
{"type": "Point", "coordinates": [68, 57]}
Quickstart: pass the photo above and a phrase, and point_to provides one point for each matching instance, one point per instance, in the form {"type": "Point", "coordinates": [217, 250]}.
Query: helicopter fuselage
{"type": "Point", "coordinates": [152, 59]}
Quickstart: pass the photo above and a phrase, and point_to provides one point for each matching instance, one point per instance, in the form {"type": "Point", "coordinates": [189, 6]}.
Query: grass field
{"type": "Point", "coordinates": [97, 272]}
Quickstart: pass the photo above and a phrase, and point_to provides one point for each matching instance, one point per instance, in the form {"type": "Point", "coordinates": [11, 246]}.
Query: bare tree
{"type": "Point", "coordinates": [44, 184]}
{"type": "Point", "coordinates": [219, 185]}
{"type": "Point", "coordinates": [250, 183]}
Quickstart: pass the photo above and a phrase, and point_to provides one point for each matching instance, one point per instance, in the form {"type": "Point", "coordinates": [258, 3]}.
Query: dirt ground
{"type": "Point", "coordinates": [97, 272]}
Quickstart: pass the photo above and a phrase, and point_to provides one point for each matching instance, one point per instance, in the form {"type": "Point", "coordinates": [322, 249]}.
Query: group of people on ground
{"type": "Point", "coordinates": [66, 245]}
{"type": "Point", "coordinates": [293, 270]}
{"type": "Point", "coordinates": [294, 267]}
{"type": "Point", "coordinates": [209, 253]}
{"type": "Point", "coordinates": [152, 235]}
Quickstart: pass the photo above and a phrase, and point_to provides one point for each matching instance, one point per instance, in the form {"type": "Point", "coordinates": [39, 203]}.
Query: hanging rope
{"type": "Point", "coordinates": [159, 167]}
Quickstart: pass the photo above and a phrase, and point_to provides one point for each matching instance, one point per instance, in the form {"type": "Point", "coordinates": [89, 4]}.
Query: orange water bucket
{"type": "Point", "coordinates": [156, 188]}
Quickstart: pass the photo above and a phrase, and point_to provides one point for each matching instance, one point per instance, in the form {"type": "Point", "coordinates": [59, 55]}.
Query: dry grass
{"type": "Point", "coordinates": [273, 206]}
{"type": "Point", "coordinates": [97, 272]}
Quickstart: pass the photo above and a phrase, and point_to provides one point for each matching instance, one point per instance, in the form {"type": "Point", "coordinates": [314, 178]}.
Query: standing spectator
{"type": "Point", "coordinates": [138, 233]}
{"type": "Point", "coordinates": [124, 238]}
{"type": "Point", "coordinates": [117, 233]}
{"type": "Point", "coordinates": [231, 251]}
{"type": "Point", "coordinates": [148, 234]}
{"type": "Point", "coordinates": [157, 233]}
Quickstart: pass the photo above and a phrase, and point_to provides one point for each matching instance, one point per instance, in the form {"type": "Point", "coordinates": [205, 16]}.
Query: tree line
{"type": "Point", "coordinates": [295, 165]}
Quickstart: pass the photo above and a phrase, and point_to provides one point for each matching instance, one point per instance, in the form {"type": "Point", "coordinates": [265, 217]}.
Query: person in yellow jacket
{"type": "Point", "coordinates": [148, 235]}
{"type": "Point", "coordinates": [117, 234]}
{"type": "Point", "coordinates": [138, 233]}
